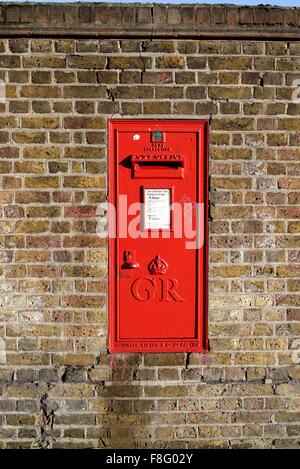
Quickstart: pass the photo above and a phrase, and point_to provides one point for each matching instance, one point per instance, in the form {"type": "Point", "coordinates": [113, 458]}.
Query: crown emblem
{"type": "Point", "coordinates": [158, 266]}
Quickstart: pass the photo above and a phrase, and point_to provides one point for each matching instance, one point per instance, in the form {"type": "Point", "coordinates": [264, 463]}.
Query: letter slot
{"type": "Point", "coordinates": [144, 167]}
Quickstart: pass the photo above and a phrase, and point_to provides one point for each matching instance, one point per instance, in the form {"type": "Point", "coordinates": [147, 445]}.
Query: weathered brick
{"type": "Point", "coordinates": [246, 15]}
{"type": "Point", "coordinates": [40, 122]}
{"type": "Point", "coordinates": [41, 77]}
{"type": "Point", "coordinates": [79, 122]}
{"type": "Point", "coordinates": [236, 124]}
{"type": "Point", "coordinates": [41, 13]}
{"type": "Point", "coordinates": [170, 61]}
{"type": "Point", "coordinates": [206, 108]}
{"type": "Point", "coordinates": [231, 183]}
{"type": "Point", "coordinates": [41, 45]}
{"type": "Point", "coordinates": [18, 107]}
{"type": "Point", "coordinates": [31, 226]}
{"type": "Point", "coordinates": [163, 92]}
{"type": "Point", "coordinates": [196, 63]}
{"type": "Point", "coordinates": [84, 92]}
{"type": "Point", "coordinates": [59, 95]}
{"type": "Point", "coordinates": [228, 78]}
{"type": "Point", "coordinates": [42, 62]}
{"type": "Point", "coordinates": [289, 183]}
{"type": "Point", "coordinates": [184, 108]}
{"type": "Point", "coordinates": [195, 92]}
{"type": "Point", "coordinates": [41, 182]}
{"type": "Point", "coordinates": [218, 92]}
{"type": "Point", "coordinates": [232, 271]}
{"type": "Point", "coordinates": [106, 76]}
{"type": "Point", "coordinates": [32, 197]}
{"type": "Point", "coordinates": [94, 62]}
{"type": "Point", "coordinates": [84, 181]}
{"type": "Point", "coordinates": [128, 92]}
{"type": "Point", "coordinates": [40, 91]}
{"type": "Point", "coordinates": [230, 63]}
{"type": "Point", "coordinates": [129, 63]}
{"type": "Point", "coordinates": [185, 77]}
{"type": "Point", "coordinates": [12, 61]}
{"type": "Point", "coordinates": [130, 76]}
{"type": "Point", "coordinates": [18, 45]}
{"type": "Point", "coordinates": [131, 108]}
{"type": "Point", "coordinates": [157, 107]}
{"type": "Point", "coordinates": [41, 107]}
{"type": "Point", "coordinates": [173, 16]}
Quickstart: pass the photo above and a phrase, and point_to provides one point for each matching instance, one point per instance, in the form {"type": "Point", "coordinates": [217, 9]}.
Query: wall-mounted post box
{"type": "Point", "coordinates": [158, 199]}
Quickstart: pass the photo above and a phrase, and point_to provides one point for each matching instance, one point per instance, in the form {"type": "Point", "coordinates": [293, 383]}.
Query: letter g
{"type": "Point", "coordinates": [140, 291]}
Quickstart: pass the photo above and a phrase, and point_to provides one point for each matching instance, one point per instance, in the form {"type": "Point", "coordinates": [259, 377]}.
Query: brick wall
{"type": "Point", "coordinates": [59, 386]}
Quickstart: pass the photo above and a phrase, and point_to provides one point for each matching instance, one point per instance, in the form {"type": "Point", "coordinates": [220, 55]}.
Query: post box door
{"type": "Point", "coordinates": [158, 227]}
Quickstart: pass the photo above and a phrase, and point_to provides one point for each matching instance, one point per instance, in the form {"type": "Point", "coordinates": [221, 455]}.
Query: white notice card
{"type": "Point", "coordinates": [157, 209]}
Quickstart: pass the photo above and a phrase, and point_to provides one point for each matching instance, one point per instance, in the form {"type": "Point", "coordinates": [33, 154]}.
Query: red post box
{"type": "Point", "coordinates": [158, 199]}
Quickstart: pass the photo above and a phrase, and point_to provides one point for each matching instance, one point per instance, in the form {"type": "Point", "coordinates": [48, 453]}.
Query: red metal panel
{"type": "Point", "coordinates": [157, 271]}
